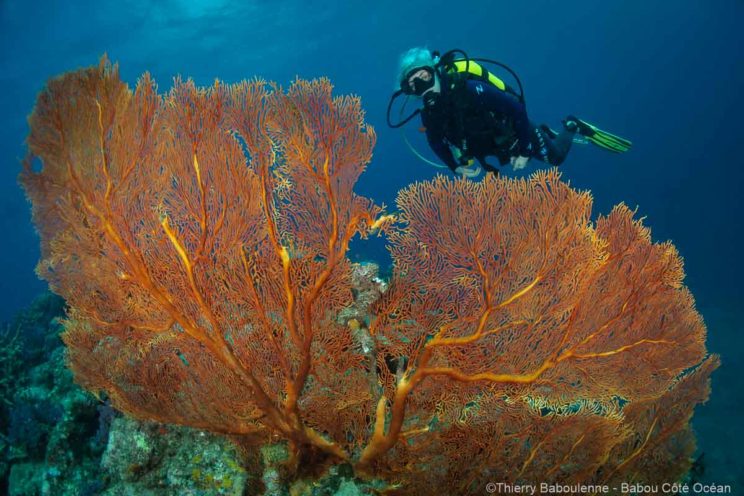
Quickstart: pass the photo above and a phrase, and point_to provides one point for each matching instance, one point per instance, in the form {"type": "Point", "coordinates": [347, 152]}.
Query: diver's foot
{"type": "Point", "coordinates": [571, 123]}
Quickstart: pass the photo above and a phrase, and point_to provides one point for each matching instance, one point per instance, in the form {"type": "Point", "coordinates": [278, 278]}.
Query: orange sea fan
{"type": "Point", "coordinates": [200, 291]}
{"type": "Point", "coordinates": [559, 321]}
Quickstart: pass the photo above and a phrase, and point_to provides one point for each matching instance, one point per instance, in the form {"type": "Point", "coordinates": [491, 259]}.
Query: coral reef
{"type": "Point", "coordinates": [200, 239]}
{"type": "Point", "coordinates": [49, 419]}
{"type": "Point", "coordinates": [149, 459]}
{"type": "Point", "coordinates": [10, 365]}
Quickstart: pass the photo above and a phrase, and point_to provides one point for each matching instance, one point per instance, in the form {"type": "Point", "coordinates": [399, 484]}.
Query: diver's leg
{"type": "Point", "coordinates": [562, 145]}
{"type": "Point", "coordinates": [552, 149]}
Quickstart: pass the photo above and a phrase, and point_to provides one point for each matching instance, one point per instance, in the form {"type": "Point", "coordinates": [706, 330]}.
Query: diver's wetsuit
{"type": "Point", "coordinates": [481, 120]}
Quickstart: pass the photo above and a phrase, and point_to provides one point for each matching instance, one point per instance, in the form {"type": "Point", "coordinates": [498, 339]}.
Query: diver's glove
{"type": "Point", "coordinates": [468, 170]}
{"type": "Point", "coordinates": [519, 162]}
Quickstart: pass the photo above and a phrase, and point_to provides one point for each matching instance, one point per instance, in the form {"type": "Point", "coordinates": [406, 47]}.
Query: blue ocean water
{"type": "Point", "coordinates": [667, 74]}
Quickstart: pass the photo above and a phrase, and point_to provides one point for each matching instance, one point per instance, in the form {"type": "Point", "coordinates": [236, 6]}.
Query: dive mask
{"type": "Point", "coordinates": [418, 85]}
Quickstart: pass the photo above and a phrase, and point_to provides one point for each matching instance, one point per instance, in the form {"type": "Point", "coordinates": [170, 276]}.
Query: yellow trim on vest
{"type": "Point", "coordinates": [476, 69]}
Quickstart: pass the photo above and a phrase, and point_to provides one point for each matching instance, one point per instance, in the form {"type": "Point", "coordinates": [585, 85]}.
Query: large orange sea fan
{"type": "Point", "coordinates": [200, 240]}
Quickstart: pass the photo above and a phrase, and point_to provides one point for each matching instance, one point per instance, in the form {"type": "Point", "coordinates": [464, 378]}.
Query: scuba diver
{"type": "Point", "coordinates": [468, 114]}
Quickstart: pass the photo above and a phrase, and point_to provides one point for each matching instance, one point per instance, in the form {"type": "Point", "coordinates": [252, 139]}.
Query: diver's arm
{"type": "Point", "coordinates": [503, 103]}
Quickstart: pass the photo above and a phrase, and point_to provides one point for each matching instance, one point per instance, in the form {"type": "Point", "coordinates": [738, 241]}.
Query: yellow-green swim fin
{"type": "Point", "coordinates": [599, 137]}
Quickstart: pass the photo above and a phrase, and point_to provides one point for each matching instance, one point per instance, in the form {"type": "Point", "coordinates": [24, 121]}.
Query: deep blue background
{"type": "Point", "coordinates": [667, 74]}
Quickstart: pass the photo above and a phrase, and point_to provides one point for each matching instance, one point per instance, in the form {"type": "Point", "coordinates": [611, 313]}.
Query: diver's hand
{"type": "Point", "coordinates": [519, 162]}
{"type": "Point", "coordinates": [468, 171]}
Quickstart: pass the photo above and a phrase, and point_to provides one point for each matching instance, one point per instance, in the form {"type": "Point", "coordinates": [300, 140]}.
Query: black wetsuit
{"type": "Point", "coordinates": [480, 120]}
